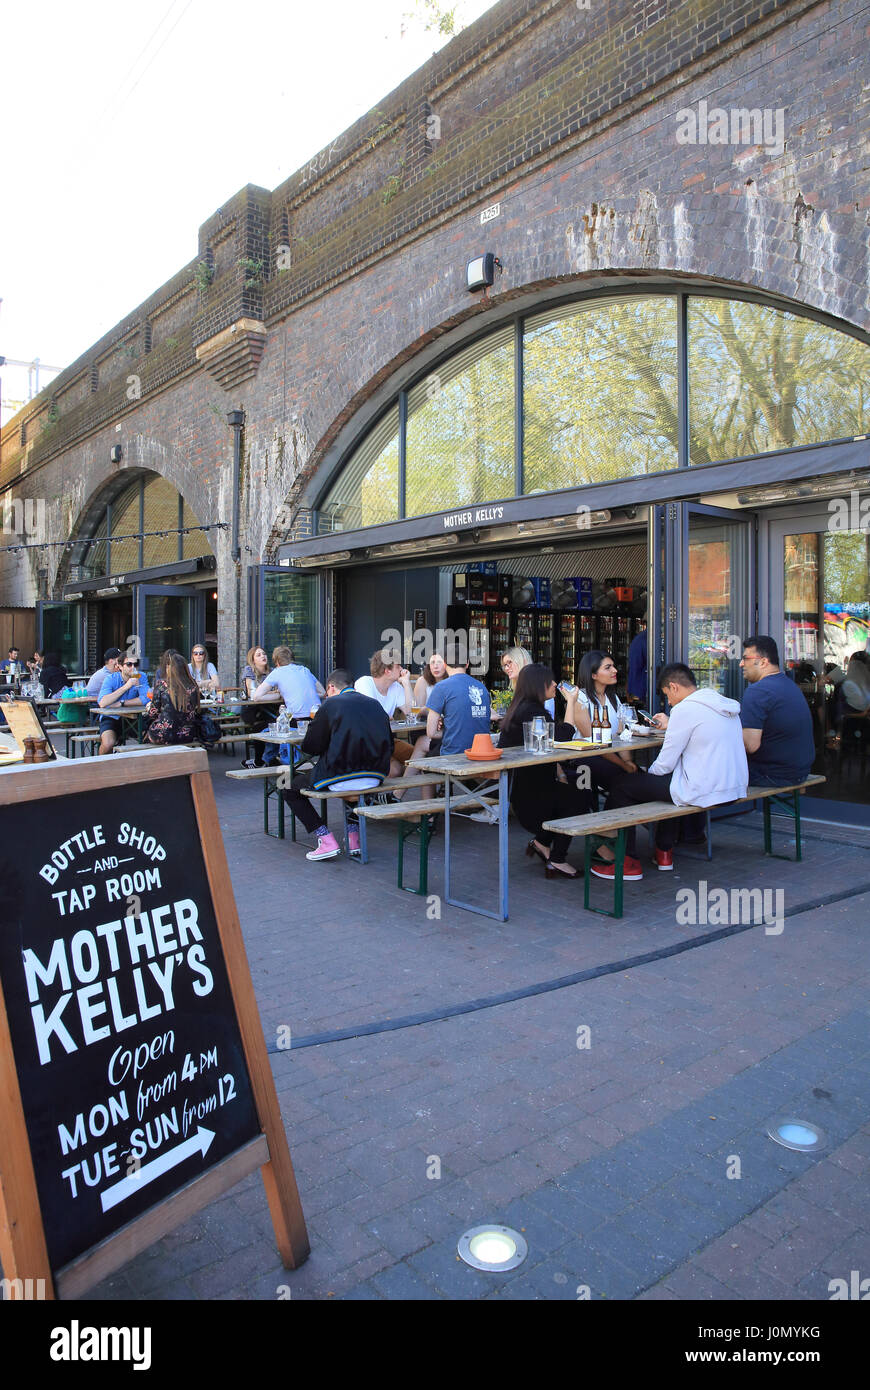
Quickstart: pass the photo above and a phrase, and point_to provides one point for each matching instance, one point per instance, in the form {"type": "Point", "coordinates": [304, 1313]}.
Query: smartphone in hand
{"type": "Point", "coordinates": [567, 688]}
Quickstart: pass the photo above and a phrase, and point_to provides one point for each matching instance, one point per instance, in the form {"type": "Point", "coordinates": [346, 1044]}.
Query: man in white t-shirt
{"type": "Point", "coordinates": [389, 684]}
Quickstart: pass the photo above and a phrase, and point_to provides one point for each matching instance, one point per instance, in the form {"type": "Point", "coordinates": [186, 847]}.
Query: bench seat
{"type": "Point", "coordinates": [606, 823]}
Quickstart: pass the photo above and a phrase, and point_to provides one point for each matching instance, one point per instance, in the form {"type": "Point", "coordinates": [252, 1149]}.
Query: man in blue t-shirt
{"type": "Point", "coordinates": [118, 688]}
{"type": "Point", "coordinates": [776, 719]}
{"type": "Point", "coordinates": [461, 702]}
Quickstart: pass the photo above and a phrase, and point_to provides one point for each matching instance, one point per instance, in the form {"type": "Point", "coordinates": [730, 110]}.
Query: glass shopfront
{"type": "Point", "coordinates": [820, 563]}
{"type": "Point", "coordinates": [699, 416]}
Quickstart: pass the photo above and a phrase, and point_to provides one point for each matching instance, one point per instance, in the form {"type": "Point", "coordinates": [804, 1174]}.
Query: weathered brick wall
{"type": "Point", "coordinates": [568, 117]}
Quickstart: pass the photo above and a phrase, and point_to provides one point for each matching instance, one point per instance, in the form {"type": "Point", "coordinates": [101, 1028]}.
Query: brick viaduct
{"type": "Point", "coordinates": [301, 302]}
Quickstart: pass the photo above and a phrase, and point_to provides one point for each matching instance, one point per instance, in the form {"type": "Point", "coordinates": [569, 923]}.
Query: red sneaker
{"type": "Point", "coordinates": [663, 859]}
{"type": "Point", "coordinates": [632, 870]}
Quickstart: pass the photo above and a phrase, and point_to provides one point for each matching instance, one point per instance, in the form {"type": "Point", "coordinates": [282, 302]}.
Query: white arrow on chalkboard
{"type": "Point", "coordinates": [197, 1143]}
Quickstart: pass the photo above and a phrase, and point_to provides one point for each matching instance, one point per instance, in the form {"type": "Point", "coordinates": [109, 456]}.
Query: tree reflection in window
{"type": "Point", "coordinates": [600, 392]}
{"type": "Point", "coordinates": [366, 492]}
{"type": "Point", "coordinates": [761, 379]}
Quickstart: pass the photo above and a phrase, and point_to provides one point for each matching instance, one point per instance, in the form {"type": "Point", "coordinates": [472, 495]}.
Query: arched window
{"type": "Point", "coordinates": [598, 384]}
{"type": "Point", "coordinates": [139, 527]}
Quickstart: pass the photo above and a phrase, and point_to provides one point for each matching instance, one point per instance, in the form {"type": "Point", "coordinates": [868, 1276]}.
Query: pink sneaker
{"type": "Point", "coordinates": [327, 848]}
{"type": "Point", "coordinates": [353, 845]}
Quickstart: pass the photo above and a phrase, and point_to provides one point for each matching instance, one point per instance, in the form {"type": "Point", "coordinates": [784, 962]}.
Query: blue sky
{"type": "Point", "coordinates": [127, 125]}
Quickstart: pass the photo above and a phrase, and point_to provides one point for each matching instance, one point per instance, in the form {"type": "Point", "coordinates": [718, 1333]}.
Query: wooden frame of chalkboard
{"type": "Point", "coordinates": [183, 961]}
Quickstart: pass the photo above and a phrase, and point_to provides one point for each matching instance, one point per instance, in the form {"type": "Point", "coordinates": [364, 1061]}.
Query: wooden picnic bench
{"type": "Point", "coordinates": [68, 730]}
{"type": "Point", "coordinates": [601, 826]}
{"type": "Point", "coordinates": [413, 818]}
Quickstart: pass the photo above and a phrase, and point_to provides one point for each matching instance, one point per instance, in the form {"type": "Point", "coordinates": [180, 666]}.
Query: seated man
{"type": "Point", "coordinates": [457, 709]}
{"type": "Point", "coordinates": [389, 684]}
{"type": "Point", "coordinates": [11, 666]}
{"type": "Point", "coordinates": [351, 734]}
{"type": "Point", "coordinates": [298, 687]}
{"type": "Point", "coordinates": [111, 664]}
{"type": "Point", "coordinates": [777, 722]}
{"type": "Point", "coordinates": [702, 761]}
{"type": "Point", "coordinates": [119, 688]}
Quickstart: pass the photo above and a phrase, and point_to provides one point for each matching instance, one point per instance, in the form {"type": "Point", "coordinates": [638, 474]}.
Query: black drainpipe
{"type": "Point", "coordinates": [236, 420]}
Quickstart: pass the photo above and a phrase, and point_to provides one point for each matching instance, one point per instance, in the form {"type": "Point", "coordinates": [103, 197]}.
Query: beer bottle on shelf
{"type": "Point", "coordinates": [596, 726]}
{"type": "Point", "coordinates": [606, 730]}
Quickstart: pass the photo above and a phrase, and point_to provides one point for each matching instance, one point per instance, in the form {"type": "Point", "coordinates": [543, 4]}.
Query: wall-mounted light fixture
{"type": "Point", "coordinates": [480, 273]}
{"type": "Point", "coordinates": [116, 453]}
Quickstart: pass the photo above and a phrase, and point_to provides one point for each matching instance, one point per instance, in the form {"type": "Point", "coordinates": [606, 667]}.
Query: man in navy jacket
{"type": "Point", "coordinates": [353, 741]}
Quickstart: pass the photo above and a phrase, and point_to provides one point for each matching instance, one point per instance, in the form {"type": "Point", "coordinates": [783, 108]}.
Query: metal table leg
{"type": "Point", "coordinates": [502, 914]}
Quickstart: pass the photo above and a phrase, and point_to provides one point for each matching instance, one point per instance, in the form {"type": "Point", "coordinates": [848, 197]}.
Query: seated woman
{"type": "Point", "coordinates": [596, 686]}
{"type": "Point", "coordinates": [174, 702]}
{"type": "Point", "coordinates": [512, 662]}
{"type": "Point", "coordinates": [433, 672]}
{"type": "Point", "coordinates": [537, 795]}
{"type": "Point", "coordinates": [35, 666]}
{"type": "Point", "coordinates": [54, 676]}
{"type": "Point", "coordinates": [202, 670]}
{"type": "Point", "coordinates": [256, 719]}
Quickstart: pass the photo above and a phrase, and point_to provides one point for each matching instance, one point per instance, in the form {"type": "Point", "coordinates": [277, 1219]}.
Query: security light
{"type": "Point", "coordinates": [480, 272]}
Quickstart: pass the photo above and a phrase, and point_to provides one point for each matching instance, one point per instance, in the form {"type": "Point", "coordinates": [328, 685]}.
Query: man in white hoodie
{"type": "Point", "coordinates": [702, 760]}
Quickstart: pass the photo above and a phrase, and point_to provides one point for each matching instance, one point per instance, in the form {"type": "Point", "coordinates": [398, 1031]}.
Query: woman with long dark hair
{"type": "Point", "coordinates": [537, 794]}
{"type": "Point", "coordinates": [597, 678]}
{"type": "Point", "coordinates": [174, 702]}
{"type": "Point", "coordinates": [54, 676]}
{"type": "Point", "coordinates": [433, 672]}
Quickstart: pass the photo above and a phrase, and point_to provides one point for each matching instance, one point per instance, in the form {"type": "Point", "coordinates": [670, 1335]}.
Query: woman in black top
{"type": "Point", "coordinates": [54, 676]}
{"type": "Point", "coordinates": [537, 795]}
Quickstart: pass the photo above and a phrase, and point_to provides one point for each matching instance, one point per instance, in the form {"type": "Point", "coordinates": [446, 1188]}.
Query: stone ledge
{"type": "Point", "coordinates": [234, 354]}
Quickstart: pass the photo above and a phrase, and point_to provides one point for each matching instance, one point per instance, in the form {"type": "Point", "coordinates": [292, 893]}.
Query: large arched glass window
{"type": "Point", "coordinates": [761, 379]}
{"type": "Point", "coordinates": [599, 401]}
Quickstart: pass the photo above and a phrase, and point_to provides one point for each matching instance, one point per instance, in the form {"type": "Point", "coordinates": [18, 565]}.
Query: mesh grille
{"type": "Point", "coordinates": [460, 443]}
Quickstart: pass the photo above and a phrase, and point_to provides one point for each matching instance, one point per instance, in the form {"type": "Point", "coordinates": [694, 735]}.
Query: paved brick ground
{"type": "Point", "coordinates": [613, 1158]}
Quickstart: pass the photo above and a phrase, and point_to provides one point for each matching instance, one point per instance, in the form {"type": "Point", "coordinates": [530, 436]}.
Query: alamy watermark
{"type": "Point", "coordinates": [739, 125]}
{"type": "Point", "coordinates": [24, 517]}
{"type": "Point", "coordinates": [418, 645]}
{"type": "Point", "coordinates": [854, 1287]}
{"type": "Point", "coordinates": [850, 513]}
{"type": "Point", "coordinates": [721, 907]}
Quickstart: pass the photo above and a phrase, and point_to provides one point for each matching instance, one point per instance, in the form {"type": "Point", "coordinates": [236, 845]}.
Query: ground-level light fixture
{"type": "Point", "coordinates": [493, 1248]}
{"type": "Point", "coordinates": [799, 1135]}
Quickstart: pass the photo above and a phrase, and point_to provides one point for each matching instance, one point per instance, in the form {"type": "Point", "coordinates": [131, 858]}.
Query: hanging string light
{"type": "Point", "coordinates": [98, 540]}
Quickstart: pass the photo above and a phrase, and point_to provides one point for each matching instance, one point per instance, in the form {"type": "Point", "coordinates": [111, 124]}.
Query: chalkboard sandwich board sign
{"type": "Point", "coordinates": [134, 1081]}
